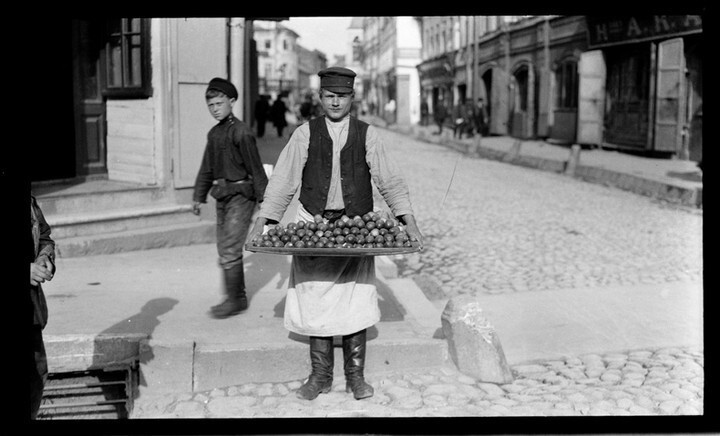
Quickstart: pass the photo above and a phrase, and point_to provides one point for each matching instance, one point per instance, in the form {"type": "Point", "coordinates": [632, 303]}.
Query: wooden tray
{"type": "Point", "coordinates": [333, 251]}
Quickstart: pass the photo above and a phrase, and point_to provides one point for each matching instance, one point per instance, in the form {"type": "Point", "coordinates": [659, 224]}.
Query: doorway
{"type": "Point", "coordinates": [88, 100]}
{"type": "Point", "coordinates": [520, 103]}
{"type": "Point", "coordinates": [628, 96]}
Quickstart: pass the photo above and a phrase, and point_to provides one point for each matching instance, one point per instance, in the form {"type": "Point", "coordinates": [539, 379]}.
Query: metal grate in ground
{"type": "Point", "coordinates": [94, 394]}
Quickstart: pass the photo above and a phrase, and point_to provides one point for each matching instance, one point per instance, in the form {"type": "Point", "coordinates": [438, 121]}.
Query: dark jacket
{"type": "Point", "coordinates": [231, 153]}
{"type": "Point", "coordinates": [354, 170]}
{"type": "Point", "coordinates": [42, 245]}
{"type": "Point", "coordinates": [277, 113]}
{"type": "Point", "coordinates": [262, 109]}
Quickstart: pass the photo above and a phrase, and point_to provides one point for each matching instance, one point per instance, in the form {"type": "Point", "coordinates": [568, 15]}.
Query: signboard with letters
{"type": "Point", "coordinates": [612, 30]}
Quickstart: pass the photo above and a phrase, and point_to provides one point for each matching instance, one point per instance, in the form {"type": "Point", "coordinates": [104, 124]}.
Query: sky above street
{"type": "Point", "coordinates": [327, 34]}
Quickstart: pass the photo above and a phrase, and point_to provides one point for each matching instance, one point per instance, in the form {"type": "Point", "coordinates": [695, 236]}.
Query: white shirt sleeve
{"type": "Point", "coordinates": [287, 175]}
{"type": "Point", "coordinates": [386, 174]}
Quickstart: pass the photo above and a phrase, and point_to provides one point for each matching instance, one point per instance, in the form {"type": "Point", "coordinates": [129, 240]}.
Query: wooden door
{"type": "Point", "coordinates": [201, 50]}
{"type": "Point", "coordinates": [591, 97]}
{"type": "Point", "coordinates": [670, 96]}
{"type": "Point", "coordinates": [90, 116]}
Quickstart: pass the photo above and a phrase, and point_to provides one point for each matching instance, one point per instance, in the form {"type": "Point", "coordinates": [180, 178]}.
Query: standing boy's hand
{"type": "Point", "coordinates": [39, 274]}
{"type": "Point", "coordinates": [196, 207]}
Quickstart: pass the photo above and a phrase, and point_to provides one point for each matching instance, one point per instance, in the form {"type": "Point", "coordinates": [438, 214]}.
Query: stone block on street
{"type": "Point", "coordinates": [473, 344]}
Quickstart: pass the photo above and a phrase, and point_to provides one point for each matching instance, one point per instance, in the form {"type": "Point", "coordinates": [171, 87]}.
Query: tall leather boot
{"type": "Point", "coordinates": [322, 363]}
{"type": "Point", "coordinates": [354, 354]}
{"type": "Point", "coordinates": [236, 297]}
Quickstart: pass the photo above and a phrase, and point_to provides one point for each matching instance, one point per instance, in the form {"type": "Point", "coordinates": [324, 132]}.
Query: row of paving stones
{"type": "Point", "coordinates": [668, 381]}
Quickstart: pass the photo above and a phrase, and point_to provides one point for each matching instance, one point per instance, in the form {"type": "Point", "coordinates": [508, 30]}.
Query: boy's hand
{"type": "Point", "coordinates": [196, 207]}
{"type": "Point", "coordinates": [39, 274]}
{"type": "Point", "coordinates": [257, 229]}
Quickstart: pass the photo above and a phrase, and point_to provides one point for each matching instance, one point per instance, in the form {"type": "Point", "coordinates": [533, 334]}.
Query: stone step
{"type": "Point", "coordinates": [97, 196]}
{"type": "Point", "coordinates": [174, 235]}
{"type": "Point", "coordinates": [118, 220]}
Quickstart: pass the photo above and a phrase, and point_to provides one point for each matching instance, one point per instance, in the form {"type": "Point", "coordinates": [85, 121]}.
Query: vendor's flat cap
{"type": "Point", "coordinates": [337, 79]}
{"type": "Point", "coordinates": [224, 86]}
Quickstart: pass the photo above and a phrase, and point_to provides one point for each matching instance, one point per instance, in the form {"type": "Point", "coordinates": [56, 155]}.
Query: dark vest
{"type": "Point", "coordinates": [354, 171]}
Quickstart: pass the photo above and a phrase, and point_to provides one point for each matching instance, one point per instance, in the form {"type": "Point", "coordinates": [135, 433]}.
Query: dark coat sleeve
{"type": "Point", "coordinates": [247, 146]}
{"type": "Point", "coordinates": [205, 177]}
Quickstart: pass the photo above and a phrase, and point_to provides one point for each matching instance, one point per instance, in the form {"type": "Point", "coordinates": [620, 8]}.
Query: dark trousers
{"type": "Point", "coordinates": [38, 370]}
{"type": "Point", "coordinates": [261, 127]}
{"type": "Point", "coordinates": [233, 223]}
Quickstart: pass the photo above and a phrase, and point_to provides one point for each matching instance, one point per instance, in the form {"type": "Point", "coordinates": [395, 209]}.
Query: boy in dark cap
{"type": "Point", "coordinates": [334, 160]}
{"type": "Point", "coordinates": [233, 174]}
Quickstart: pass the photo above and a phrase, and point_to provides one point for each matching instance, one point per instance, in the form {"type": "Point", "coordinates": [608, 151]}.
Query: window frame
{"type": "Point", "coordinates": [144, 90]}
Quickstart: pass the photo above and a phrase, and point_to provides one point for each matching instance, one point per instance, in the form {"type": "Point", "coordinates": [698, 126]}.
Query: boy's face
{"type": "Point", "coordinates": [220, 106]}
{"type": "Point", "coordinates": [336, 105]}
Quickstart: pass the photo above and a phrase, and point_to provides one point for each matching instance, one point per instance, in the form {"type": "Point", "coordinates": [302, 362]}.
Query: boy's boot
{"type": "Point", "coordinates": [354, 354]}
{"type": "Point", "coordinates": [236, 300]}
{"type": "Point", "coordinates": [322, 363]}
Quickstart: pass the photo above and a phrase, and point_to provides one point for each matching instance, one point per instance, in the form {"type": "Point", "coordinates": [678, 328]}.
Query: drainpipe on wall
{"type": "Point", "coordinates": [237, 63]}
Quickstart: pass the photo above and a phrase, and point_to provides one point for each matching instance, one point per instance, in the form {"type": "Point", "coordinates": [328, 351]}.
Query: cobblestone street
{"type": "Point", "coordinates": [502, 228]}
{"type": "Point", "coordinates": [660, 382]}
{"type": "Point", "coordinates": [495, 228]}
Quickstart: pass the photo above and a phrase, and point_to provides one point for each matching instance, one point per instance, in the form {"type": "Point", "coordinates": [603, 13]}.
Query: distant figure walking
{"type": "Point", "coordinates": [277, 115]}
{"type": "Point", "coordinates": [439, 115]}
{"type": "Point", "coordinates": [424, 111]}
{"type": "Point", "coordinates": [262, 111]}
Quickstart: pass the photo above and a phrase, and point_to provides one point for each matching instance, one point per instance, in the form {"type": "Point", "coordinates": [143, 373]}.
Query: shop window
{"type": "Point", "coordinates": [127, 65]}
{"type": "Point", "coordinates": [566, 77]}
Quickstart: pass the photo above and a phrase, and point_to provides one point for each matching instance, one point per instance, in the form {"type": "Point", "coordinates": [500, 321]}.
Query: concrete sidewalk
{"type": "Point", "coordinates": [674, 180]}
{"type": "Point", "coordinates": [152, 306]}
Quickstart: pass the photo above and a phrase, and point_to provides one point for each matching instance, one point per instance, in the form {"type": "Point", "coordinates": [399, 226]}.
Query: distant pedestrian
{"type": "Point", "coordinates": [306, 108]}
{"type": "Point", "coordinates": [439, 116]}
{"type": "Point", "coordinates": [231, 172]}
{"type": "Point", "coordinates": [262, 109]}
{"type": "Point", "coordinates": [481, 117]}
{"type": "Point", "coordinates": [424, 112]}
{"type": "Point", "coordinates": [390, 111]}
{"type": "Point", "coordinates": [459, 120]}
{"type": "Point", "coordinates": [42, 269]}
{"type": "Point", "coordinates": [277, 115]}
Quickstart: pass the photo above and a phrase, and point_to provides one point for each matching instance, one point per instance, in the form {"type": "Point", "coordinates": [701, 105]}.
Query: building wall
{"type": "Point", "coordinates": [132, 155]}
{"type": "Point", "coordinates": [280, 61]}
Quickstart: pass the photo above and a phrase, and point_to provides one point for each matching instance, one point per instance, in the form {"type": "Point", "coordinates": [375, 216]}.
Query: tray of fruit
{"type": "Point", "coordinates": [367, 235]}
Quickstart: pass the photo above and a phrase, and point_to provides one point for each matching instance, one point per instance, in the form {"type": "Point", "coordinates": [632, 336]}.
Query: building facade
{"type": "Point", "coordinates": [310, 62]}
{"type": "Point", "coordinates": [134, 109]}
{"type": "Point", "coordinates": [617, 82]}
{"type": "Point", "coordinates": [392, 47]}
{"type": "Point", "coordinates": [278, 59]}
{"type": "Point", "coordinates": [652, 68]}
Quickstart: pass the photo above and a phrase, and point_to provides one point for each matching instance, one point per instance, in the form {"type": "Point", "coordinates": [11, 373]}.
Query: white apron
{"type": "Point", "coordinates": [330, 296]}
